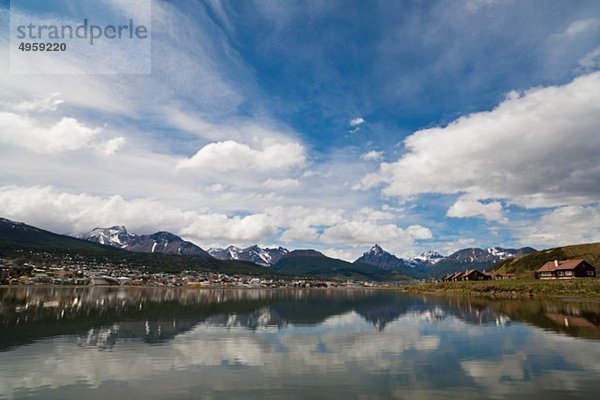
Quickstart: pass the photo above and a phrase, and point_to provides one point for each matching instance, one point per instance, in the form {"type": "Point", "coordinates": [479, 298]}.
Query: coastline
{"type": "Point", "coordinates": [588, 289]}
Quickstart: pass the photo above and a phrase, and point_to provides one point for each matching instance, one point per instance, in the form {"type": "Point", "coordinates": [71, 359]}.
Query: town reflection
{"type": "Point", "coordinates": [209, 343]}
{"type": "Point", "coordinates": [100, 317]}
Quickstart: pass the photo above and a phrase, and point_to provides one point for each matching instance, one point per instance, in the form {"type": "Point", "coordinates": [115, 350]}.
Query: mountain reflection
{"type": "Point", "coordinates": [158, 343]}
{"type": "Point", "coordinates": [102, 317]}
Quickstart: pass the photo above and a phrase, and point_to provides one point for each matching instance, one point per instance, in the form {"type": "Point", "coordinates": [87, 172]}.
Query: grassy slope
{"type": "Point", "coordinates": [589, 288]}
{"type": "Point", "coordinates": [526, 266]}
{"type": "Point", "coordinates": [31, 237]}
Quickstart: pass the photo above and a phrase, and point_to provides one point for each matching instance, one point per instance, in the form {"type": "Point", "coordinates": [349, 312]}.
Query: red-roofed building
{"type": "Point", "coordinates": [566, 269]}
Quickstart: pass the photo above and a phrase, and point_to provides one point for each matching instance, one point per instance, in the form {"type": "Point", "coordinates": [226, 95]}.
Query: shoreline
{"type": "Point", "coordinates": [587, 288]}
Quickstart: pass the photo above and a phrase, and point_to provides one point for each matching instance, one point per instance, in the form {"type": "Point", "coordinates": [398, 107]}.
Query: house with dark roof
{"type": "Point", "coordinates": [566, 269]}
{"type": "Point", "coordinates": [469, 275]}
{"type": "Point", "coordinates": [475, 275]}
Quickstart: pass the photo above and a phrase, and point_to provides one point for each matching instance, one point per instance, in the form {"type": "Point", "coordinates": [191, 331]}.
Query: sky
{"type": "Point", "coordinates": [333, 125]}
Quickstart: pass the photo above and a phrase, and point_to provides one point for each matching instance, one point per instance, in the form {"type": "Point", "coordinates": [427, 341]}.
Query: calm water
{"type": "Point", "coordinates": [99, 343]}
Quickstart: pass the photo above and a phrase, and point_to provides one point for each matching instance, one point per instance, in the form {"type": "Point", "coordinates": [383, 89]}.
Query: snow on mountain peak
{"type": "Point", "coordinates": [262, 256]}
{"type": "Point", "coordinates": [429, 257]}
{"type": "Point", "coordinates": [376, 250]}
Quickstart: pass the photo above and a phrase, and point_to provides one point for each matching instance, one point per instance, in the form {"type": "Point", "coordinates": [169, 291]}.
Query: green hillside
{"type": "Point", "coordinates": [526, 266]}
{"type": "Point", "coordinates": [22, 235]}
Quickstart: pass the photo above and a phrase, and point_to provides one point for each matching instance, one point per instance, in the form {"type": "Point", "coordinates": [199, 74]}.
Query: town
{"type": "Point", "coordinates": [76, 270]}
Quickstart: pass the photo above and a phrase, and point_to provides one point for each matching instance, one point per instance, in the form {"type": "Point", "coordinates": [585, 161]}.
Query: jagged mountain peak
{"type": "Point", "coordinates": [380, 258]}
{"type": "Point", "coordinates": [376, 249]}
{"type": "Point", "coordinates": [265, 257]}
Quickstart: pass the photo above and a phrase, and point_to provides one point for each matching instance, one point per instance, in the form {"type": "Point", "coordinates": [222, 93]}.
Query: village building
{"type": "Point", "coordinates": [475, 275]}
{"type": "Point", "coordinates": [469, 275]}
{"type": "Point", "coordinates": [566, 269]}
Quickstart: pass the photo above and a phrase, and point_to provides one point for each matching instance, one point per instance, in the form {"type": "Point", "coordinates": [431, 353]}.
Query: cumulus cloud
{"type": "Point", "coordinates": [59, 211]}
{"type": "Point", "coordinates": [354, 122]}
{"type": "Point", "coordinates": [281, 184]}
{"type": "Point", "coordinates": [419, 232]}
{"type": "Point", "coordinates": [563, 226]}
{"type": "Point", "coordinates": [463, 208]}
{"type": "Point", "coordinates": [300, 232]}
{"type": "Point", "coordinates": [67, 134]}
{"type": "Point", "coordinates": [372, 156]}
{"type": "Point", "coordinates": [365, 232]}
{"type": "Point", "coordinates": [65, 212]}
{"type": "Point", "coordinates": [231, 155]}
{"type": "Point", "coordinates": [539, 148]}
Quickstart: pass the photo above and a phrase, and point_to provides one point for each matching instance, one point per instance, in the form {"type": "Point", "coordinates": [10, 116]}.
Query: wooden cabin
{"type": "Point", "coordinates": [566, 269]}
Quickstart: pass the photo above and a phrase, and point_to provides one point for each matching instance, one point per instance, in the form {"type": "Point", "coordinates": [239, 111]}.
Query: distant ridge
{"type": "Point", "coordinates": [313, 263]}
{"type": "Point", "coordinates": [13, 233]}
{"type": "Point", "coordinates": [434, 265]}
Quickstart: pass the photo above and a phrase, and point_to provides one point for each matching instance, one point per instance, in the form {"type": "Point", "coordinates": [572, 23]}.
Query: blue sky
{"type": "Point", "coordinates": [332, 125]}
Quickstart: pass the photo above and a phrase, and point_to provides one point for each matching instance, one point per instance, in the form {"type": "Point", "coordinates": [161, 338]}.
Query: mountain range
{"type": "Point", "coordinates": [266, 257]}
{"type": "Point", "coordinates": [376, 263]}
{"type": "Point", "coordinates": [429, 264]}
{"type": "Point", "coordinates": [432, 264]}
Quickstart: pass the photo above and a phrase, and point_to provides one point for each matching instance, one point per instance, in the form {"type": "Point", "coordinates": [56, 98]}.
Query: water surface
{"type": "Point", "coordinates": [138, 343]}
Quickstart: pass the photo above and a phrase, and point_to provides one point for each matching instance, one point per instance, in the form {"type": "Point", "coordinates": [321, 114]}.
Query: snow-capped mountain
{"type": "Point", "coordinates": [429, 257]}
{"type": "Point", "coordinates": [266, 257]}
{"type": "Point", "coordinates": [116, 236]}
{"type": "Point", "coordinates": [491, 254]}
{"type": "Point", "coordinates": [380, 258]}
{"type": "Point", "coordinates": [159, 242]}
{"type": "Point", "coordinates": [431, 263]}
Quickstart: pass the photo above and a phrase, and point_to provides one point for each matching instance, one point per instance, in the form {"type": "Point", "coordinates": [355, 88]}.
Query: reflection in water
{"type": "Point", "coordinates": [181, 343]}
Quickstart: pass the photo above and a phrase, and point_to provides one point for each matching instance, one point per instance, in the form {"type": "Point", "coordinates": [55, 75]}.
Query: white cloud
{"type": "Point", "coordinates": [230, 155]}
{"type": "Point", "coordinates": [366, 233]}
{"type": "Point", "coordinates": [537, 149]}
{"type": "Point", "coordinates": [563, 226]}
{"type": "Point", "coordinates": [300, 232]}
{"type": "Point", "coordinates": [37, 104]}
{"type": "Point", "coordinates": [464, 208]}
{"type": "Point", "coordinates": [372, 156]}
{"type": "Point", "coordinates": [281, 184]}
{"type": "Point", "coordinates": [581, 26]}
{"type": "Point", "coordinates": [419, 232]}
{"type": "Point", "coordinates": [111, 146]}
{"type": "Point", "coordinates": [65, 135]}
{"type": "Point", "coordinates": [357, 121]}
{"type": "Point", "coordinates": [46, 135]}
{"type": "Point", "coordinates": [371, 214]}
{"type": "Point", "coordinates": [65, 212]}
